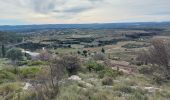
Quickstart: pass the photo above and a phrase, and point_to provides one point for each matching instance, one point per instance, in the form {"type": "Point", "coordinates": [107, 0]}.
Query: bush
{"type": "Point", "coordinates": [159, 54]}
{"type": "Point", "coordinates": [14, 54]}
{"type": "Point", "coordinates": [29, 72]}
{"type": "Point", "coordinates": [85, 53]}
{"type": "Point", "coordinates": [6, 76]}
{"type": "Point", "coordinates": [146, 70]}
{"type": "Point", "coordinates": [99, 56]}
{"type": "Point", "coordinates": [107, 81]}
{"type": "Point", "coordinates": [124, 89]}
{"type": "Point", "coordinates": [158, 78]}
{"type": "Point", "coordinates": [102, 70]}
{"type": "Point", "coordinates": [107, 72]}
{"type": "Point", "coordinates": [45, 56]}
{"type": "Point", "coordinates": [71, 63]}
{"type": "Point", "coordinates": [94, 66]}
{"type": "Point", "coordinates": [9, 87]}
{"type": "Point", "coordinates": [21, 63]}
{"type": "Point", "coordinates": [10, 91]}
{"type": "Point", "coordinates": [138, 96]}
{"type": "Point", "coordinates": [30, 63]}
{"type": "Point", "coordinates": [35, 63]}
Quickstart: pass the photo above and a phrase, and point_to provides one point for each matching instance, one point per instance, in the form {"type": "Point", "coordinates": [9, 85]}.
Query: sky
{"type": "Point", "coordinates": [18, 12]}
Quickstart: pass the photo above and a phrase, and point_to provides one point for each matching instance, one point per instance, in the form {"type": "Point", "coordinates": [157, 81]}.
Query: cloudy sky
{"type": "Point", "coordinates": [16, 12]}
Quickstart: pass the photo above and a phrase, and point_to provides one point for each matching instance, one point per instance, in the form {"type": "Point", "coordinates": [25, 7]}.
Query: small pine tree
{"type": "Point", "coordinates": [78, 52]}
{"type": "Point", "coordinates": [3, 51]}
{"type": "Point", "coordinates": [103, 50]}
{"type": "Point", "coordinates": [85, 53]}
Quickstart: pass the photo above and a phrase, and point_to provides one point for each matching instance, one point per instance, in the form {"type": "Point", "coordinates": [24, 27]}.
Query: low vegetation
{"type": "Point", "coordinates": [99, 69]}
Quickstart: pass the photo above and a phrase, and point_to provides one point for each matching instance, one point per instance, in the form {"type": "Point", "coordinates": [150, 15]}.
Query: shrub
{"type": "Point", "coordinates": [30, 63]}
{"type": "Point", "coordinates": [103, 50]}
{"type": "Point", "coordinates": [107, 81]}
{"type": "Point", "coordinates": [85, 53]}
{"type": "Point", "coordinates": [9, 87]}
{"type": "Point", "coordinates": [94, 66]}
{"type": "Point", "coordinates": [158, 78]}
{"type": "Point", "coordinates": [99, 56]}
{"type": "Point", "coordinates": [9, 69]}
{"type": "Point", "coordinates": [45, 56]}
{"type": "Point", "coordinates": [29, 72]}
{"type": "Point", "coordinates": [124, 89]}
{"type": "Point", "coordinates": [165, 94]}
{"type": "Point", "coordinates": [71, 63]}
{"type": "Point", "coordinates": [78, 52]}
{"type": "Point", "coordinates": [14, 54]}
{"type": "Point", "coordinates": [21, 63]}
{"type": "Point", "coordinates": [158, 53]}
{"type": "Point", "coordinates": [98, 67]}
{"type": "Point", "coordinates": [146, 70]}
{"type": "Point", "coordinates": [28, 56]}
{"type": "Point", "coordinates": [102, 70]}
{"type": "Point", "coordinates": [138, 96]}
{"type": "Point", "coordinates": [107, 72]}
{"type": "Point", "coordinates": [50, 78]}
{"type": "Point", "coordinates": [10, 91]}
{"type": "Point", "coordinates": [35, 63]}
{"type": "Point", "coordinates": [6, 76]}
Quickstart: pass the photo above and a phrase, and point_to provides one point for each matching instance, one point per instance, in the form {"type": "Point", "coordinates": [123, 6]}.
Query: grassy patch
{"type": "Point", "coordinates": [6, 76]}
{"type": "Point", "coordinates": [29, 72]}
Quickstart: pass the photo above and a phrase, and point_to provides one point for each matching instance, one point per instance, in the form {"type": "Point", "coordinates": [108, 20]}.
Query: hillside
{"type": "Point", "coordinates": [30, 28]}
{"type": "Point", "coordinates": [85, 64]}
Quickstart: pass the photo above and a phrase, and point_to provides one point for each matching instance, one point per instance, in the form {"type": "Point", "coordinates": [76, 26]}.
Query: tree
{"type": "Point", "coordinates": [45, 56]}
{"type": "Point", "coordinates": [103, 50]}
{"type": "Point", "coordinates": [158, 53]}
{"type": "Point", "coordinates": [78, 52]}
{"type": "Point", "coordinates": [3, 50]}
{"type": "Point", "coordinates": [99, 56]}
{"type": "Point", "coordinates": [49, 78]}
{"type": "Point", "coordinates": [71, 63]}
{"type": "Point", "coordinates": [85, 53]}
{"type": "Point", "coordinates": [14, 54]}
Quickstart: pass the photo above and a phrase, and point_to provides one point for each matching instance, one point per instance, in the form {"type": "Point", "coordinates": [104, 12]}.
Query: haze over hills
{"type": "Point", "coordinates": [133, 25]}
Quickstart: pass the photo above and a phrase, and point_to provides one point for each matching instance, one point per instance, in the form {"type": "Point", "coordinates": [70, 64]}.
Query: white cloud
{"type": "Point", "coordinates": [84, 11]}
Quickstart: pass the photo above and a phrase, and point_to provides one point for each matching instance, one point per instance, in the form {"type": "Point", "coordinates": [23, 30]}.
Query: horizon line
{"type": "Point", "coordinates": [87, 23]}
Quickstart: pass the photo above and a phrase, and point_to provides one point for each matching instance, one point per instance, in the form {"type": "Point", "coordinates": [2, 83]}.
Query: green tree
{"type": "Point", "coordinates": [103, 50]}
{"type": "Point", "coordinates": [71, 63]}
{"type": "Point", "coordinates": [78, 52]}
{"type": "Point", "coordinates": [85, 53]}
{"type": "Point", "coordinates": [14, 54]}
{"type": "Point", "coordinates": [3, 50]}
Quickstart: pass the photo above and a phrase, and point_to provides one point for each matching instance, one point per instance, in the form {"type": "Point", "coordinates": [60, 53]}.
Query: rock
{"type": "Point", "coordinates": [116, 81]}
{"type": "Point", "coordinates": [109, 87]}
{"type": "Point", "coordinates": [75, 78]}
{"type": "Point", "coordinates": [89, 85]}
{"type": "Point", "coordinates": [149, 89]}
{"type": "Point", "coordinates": [134, 87]}
{"type": "Point", "coordinates": [27, 86]}
{"type": "Point", "coordinates": [152, 89]}
{"type": "Point", "coordinates": [85, 83]}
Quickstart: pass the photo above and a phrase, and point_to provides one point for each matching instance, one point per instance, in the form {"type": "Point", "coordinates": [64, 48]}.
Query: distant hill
{"type": "Point", "coordinates": [30, 28]}
{"type": "Point", "coordinates": [9, 37]}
